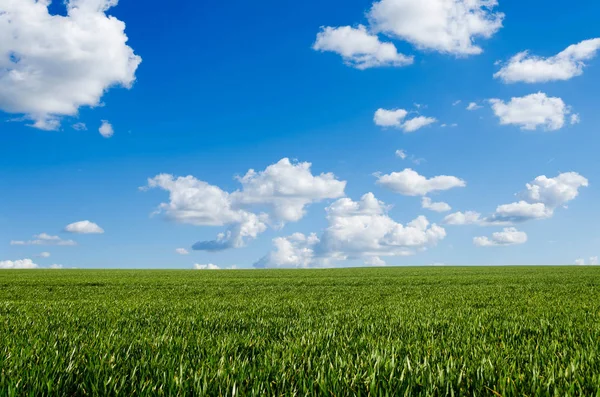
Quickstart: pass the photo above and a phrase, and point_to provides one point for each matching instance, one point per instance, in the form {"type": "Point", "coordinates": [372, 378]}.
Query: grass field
{"type": "Point", "coordinates": [381, 331]}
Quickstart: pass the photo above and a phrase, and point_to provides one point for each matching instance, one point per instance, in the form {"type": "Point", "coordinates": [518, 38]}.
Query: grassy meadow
{"type": "Point", "coordinates": [499, 331]}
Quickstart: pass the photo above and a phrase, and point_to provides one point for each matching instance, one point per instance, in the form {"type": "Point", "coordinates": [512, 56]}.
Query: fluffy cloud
{"type": "Point", "coordinates": [56, 266]}
{"type": "Point", "coordinates": [84, 227]}
{"type": "Point", "coordinates": [106, 129]}
{"type": "Point", "coordinates": [562, 66]}
{"type": "Point", "coordinates": [410, 183]}
{"type": "Point", "coordinates": [356, 230]}
{"type": "Point", "coordinates": [396, 118]}
{"type": "Point", "coordinates": [532, 111]}
{"type": "Point", "coordinates": [51, 65]}
{"type": "Point", "coordinates": [417, 122]}
{"type": "Point", "coordinates": [593, 261]}
{"type": "Point", "coordinates": [508, 236]}
{"type": "Point", "coordinates": [209, 266]}
{"type": "Point", "coordinates": [463, 218]}
{"type": "Point", "coordinates": [473, 106]}
{"type": "Point", "coordinates": [44, 255]}
{"type": "Point", "coordinates": [284, 189]}
{"type": "Point", "coordinates": [359, 48]}
{"type": "Point", "coordinates": [440, 206]}
{"type": "Point", "coordinates": [44, 239]}
{"type": "Point", "coordinates": [389, 118]}
{"type": "Point", "coordinates": [181, 251]}
{"type": "Point", "coordinates": [18, 264]}
{"type": "Point", "coordinates": [448, 26]}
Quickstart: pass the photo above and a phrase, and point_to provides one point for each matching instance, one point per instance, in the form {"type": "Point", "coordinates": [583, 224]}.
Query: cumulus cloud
{"type": "Point", "coordinates": [397, 118]}
{"type": "Point", "coordinates": [51, 65]}
{"type": "Point", "coordinates": [565, 65]}
{"type": "Point", "coordinates": [209, 266]}
{"type": "Point", "coordinates": [56, 266]}
{"type": "Point", "coordinates": [84, 227]}
{"type": "Point", "coordinates": [18, 264]}
{"type": "Point", "coordinates": [283, 190]}
{"type": "Point", "coordinates": [409, 183]}
{"type": "Point", "coordinates": [359, 48]}
{"type": "Point", "coordinates": [463, 218]}
{"type": "Point", "coordinates": [106, 129]}
{"type": "Point", "coordinates": [356, 230]}
{"type": "Point", "coordinates": [447, 26]}
{"type": "Point", "coordinates": [44, 239]}
{"type": "Point", "coordinates": [473, 106]}
{"type": "Point", "coordinates": [508, 236]}
{"type": "Point", "coordinates": [532, 111]}
{"type": "Point", "coordinates": [181, 251]}
{"type": "Point", "coordinates": [440, 206]}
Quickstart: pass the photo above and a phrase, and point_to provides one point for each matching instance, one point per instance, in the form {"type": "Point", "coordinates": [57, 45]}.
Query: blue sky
{"type": "Point", "coordinates": [227, 87]}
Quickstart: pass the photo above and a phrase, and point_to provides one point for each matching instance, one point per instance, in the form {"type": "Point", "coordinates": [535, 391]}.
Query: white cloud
{"type": "Point", "coordinates": [594, 260]}
{"type": "Point", "coordinates": [396, 118]}
{"type": "Point", "coordinates": [473, 106]}
{"type": "Point", "coordinates": [374, 261]}
{"type": "Point", "coordinates": [56, 266]}
{"type": "Point", "coordinates": [356, 230]}
{"type": "Point", "coordinates": [520, 211]}
{"type": "Point", "coordinates": [389, 118]}
{"type": "Point", "coordinates": [106, 129]}
{"type": "Point", "coordinates": [556, 191]}
{"type": "Point", "coordinates": [575, 119]}
{"type": "Point", "coordinates": [51, 65]}
{"type": "Point", "coordinates": [456, 102]}
{"type": "Point", "coordinates": [18, 264]}
{"type": "Point", "coordinates": [284, 189]}
{"type": "Point", "coordinates": [401, 153]}
{"type": "Point", "coordinates": [532, 111]}
{"type": "Point", "coordinates": [84, 227]}
{"type": "Point", "coordinates": [44, 255]}
{"type": "Point", "coordinates": [359, 48]}
{"type": "Point", "coordinates": [209, 266]}
{"type": "Point", "coordinates": [440, 206]}
{"type": "Point", "coordinates": [410, 183]}
{"type": "Point", "coordinates": [563, 66]}
{"type": "Point", "coordinates": [79, 127]}
{"type": "Point", "coordinates": [417, 122]}
{"type": "Point", "coordinates": [181, 251]}
{"type": "Point", "coordinates": [508, 236]}
{"type": "Point", "coordinates": [447, 26]}
{"type": "Point", "coordinates": [44, 239]}
{"type": "Point", "coordinates": [463, 218]}
{"type": "Point", "coordinates": [580, 262]}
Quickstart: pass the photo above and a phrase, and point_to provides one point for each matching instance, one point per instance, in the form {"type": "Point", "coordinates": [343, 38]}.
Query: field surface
{"type": "Point", "coordinates": [380, 332]}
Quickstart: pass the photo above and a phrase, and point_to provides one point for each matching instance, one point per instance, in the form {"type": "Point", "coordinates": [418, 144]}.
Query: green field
{"type": "Point", "coordinates": [381, 331]}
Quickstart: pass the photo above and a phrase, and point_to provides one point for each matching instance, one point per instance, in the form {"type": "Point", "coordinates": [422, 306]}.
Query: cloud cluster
{"type": "Point", "coordinates": [282, 191]}
{"type": "Point", "coordinates": [593, 261]}
{"type": "Point", "coordinates": [410, 183]}
{"type": "Point", "coordinates": [508, 236]}
{"type": "Point", "coordinates": [51, 65]}
{"type": "Point", "coordinates": [18, 264]}
{"type": "Point", "coordinates": [396, 118]}
{"type": "Point", "coordinates": [563, 66]}
{"type": "Point", "coordinates": [356, 230]}
{"type": "Point", "coordinates": [533, 111]}
{"type": "Point", "coordinates": [84, 227]}
{"type": "Point", "coordinates": [359, 48]}
{"type": "Point", "coordinates": [539, 200]}
{"type": "Point", "coordinates": [44, 239]}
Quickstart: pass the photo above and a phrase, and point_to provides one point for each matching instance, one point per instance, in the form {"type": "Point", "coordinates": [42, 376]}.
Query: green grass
{"type": "Point", "coordinates": [386, 331]}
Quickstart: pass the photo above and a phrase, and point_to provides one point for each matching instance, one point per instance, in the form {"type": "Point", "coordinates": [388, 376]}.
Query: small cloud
{"type": "Point", "coordinates": [209, 266]}
{"type": "Point", "coordinates": [106, 129]}
{"type": "Point", "coordinates": [401, 153]}
{"type": "Point", "coordinates": [182, 251]}
{"type": "Point", "coordinates": [473, 106]}
{"type": "Point", "coordinates": [44, 239]}
{"type": "Point", "coordinates": [456, 102]}
{"type": "Point", "coordinates": [84, 227]}
{"type": "Point", "coordinates": [575, 119]}
{"type": "Point", "coordinates": [55, 266]}
{"type": "Point", "coordinates": [79, 127]}
{"type": "Point", "coordinates": [18, 264]}
{"type": "Point", "coordinates": [43, 255]}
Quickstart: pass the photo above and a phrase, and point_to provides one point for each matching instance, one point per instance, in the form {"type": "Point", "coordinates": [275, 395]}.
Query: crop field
{"type": "Point", "coordinates": [383, 331]}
